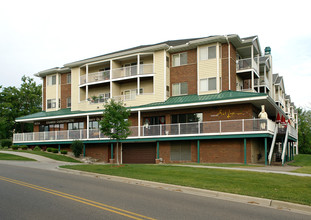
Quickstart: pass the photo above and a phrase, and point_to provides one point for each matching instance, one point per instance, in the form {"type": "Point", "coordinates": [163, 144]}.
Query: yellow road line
{"type": "Point", "coordinates": [79, 199]}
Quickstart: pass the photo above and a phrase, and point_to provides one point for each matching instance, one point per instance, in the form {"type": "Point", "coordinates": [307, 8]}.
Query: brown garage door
{"type": "Point", "coordinates": [138, 152]}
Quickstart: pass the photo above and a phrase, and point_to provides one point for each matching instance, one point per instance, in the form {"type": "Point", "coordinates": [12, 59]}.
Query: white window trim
{"type": "Point", "coordinates": [207, 79]}
{"type": "Point", "coordinates": [179, 89]}
{"type": "Point", "coordinates": [207, 47]}
{"type": "Point", "coordinates": [68, 102]}
{"type": "Point", "coordinates": [173, 64]}
{"type": "Point", "coordinates": [53, 101]}
{"type": "Point", "coordinates": [49, 80]}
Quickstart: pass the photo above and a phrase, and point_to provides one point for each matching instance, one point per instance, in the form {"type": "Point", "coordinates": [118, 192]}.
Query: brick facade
{"type": "Point", "coordinates": [185, 73]}
{"type": "Point", "coordinates": [65, 90]}
{"type": "Point", "coordinates": [98, 151]}
{"type": "Point", "coordinates": [225, 68]}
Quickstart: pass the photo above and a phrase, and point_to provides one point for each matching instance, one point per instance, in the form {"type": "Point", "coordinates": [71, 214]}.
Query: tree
{"type": "Point", "coordinates": [17, 102]}
{"type": "Point", "coordinates": [114, 123]}
{"type": "Point", "coordinates": [77, 147]}
{"type": "Point", "coordinates": [304, 131]}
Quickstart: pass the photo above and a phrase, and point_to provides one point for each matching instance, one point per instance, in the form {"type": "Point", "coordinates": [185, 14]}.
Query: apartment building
{"type": "Point", "coordinates": [191, 100]}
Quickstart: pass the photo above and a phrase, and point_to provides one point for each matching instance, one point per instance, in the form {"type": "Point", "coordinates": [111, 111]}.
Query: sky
{"type": "Point", "coordinates": [39, 35]}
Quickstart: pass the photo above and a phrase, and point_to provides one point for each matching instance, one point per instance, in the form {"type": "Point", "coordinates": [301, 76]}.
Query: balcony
{"type": "Point", "coordinates": [95, 77]}
{"type": "Point", "coordinates": [246, 64]}
{"type": "Point", "coordinates": [262, 81]}
{"type": "Point", "coordinates": [130, 71]}
{"type": "Point", "coordinates": [208, 128]}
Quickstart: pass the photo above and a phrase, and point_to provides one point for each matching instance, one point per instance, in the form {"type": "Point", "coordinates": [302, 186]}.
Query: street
{"type": "Point", "coordinates": [29, 193]}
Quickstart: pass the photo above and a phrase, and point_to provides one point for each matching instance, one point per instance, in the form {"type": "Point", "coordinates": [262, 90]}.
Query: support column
{"type": "Point", "coordinates": [266, 158]}
{"type": "Point", "coordinates": [83, 150]}
{"type": "Point", "coordinates": [111, 160]}
{"type": "Point", "coordinates": [87, 127]}
{"type": "Point", "coordinates": [293, 150]}
{"type": "Point", "coordinates": [158, 150]}
{"type": "Point", "coordinates": [245, 156]}
{"type": "Point", "coordinates": [138, 122]}
{"type": "Point", "coordinates": [58, 148]}
{"type": "Point", "coordinates": [157, 160]}
{"type": "Point", "coordinates": [198, 150]}
{"type": "Point", "coordinates": [86, 80]}
{"type": "Point", "coordinates": [138, 72]}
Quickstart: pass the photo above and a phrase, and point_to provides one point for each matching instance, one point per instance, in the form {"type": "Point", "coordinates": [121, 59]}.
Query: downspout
{"type": "Point", "coordinates": [228, 62]}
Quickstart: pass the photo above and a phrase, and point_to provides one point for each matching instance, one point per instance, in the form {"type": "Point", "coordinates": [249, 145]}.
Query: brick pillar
{"type": "Point", "coordinates": [225, 68]}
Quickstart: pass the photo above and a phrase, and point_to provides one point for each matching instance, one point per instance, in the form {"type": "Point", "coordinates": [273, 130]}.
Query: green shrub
{"type": "Point", "coordinates": [15, 147]}
{"type": "Point", "coordinates": [6, 143]}
{"type": "Point", "coordinates": [54, 150]}
{"type": "Point", "coordinates": [36, 148]}
{"type": "Point", "coordinates": [24, 147]}
{"type": "Point", "coordinates": [5, 148]}
{"type": "Point", "coordinates": [77, 147]}
{"type": "Point", "coordinates": [1, 147]}
{"type": "Point", "coordinates": [63, 152]}
{"type": "Point", "coordinates": [49, 149]}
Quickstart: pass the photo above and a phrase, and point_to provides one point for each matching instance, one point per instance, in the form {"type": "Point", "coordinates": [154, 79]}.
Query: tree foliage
{"type": "Point", "coordinates": [77, 147]}
{"type": "Point", "coordinates": [304, 131]}
{"type": "Point", "coordinates": [17, 102]}
{"type": "Point", "coordinates": [115, 122]}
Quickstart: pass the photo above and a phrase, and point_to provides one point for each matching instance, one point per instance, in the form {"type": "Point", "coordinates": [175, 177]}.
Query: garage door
{"type": "Point", "coordinates": [138, 152]}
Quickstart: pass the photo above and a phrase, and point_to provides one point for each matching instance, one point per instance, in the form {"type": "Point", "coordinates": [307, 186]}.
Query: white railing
{"type": "Point", "coordinates": [242, 126]}
{"type": "Point", "coordinates": [82, 79]}
{"type": "Point", "coordinates": [263, 81]}
{"type": "Point", "coordinates": [132, 71]}
{"type": "Point", "coordinates": [99, 76]}
{"type": "Point", "coordinates": [244, 64]}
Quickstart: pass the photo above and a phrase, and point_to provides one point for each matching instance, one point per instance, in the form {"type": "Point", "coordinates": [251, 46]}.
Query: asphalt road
{"type": "Point", "coordinates": [28, 193]}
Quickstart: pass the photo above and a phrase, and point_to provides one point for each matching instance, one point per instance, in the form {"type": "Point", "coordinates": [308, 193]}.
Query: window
{"type": "Point", "coordinates": [180, 151]}
{"type": "Point", "coordinates": [51, 80]}
{"type": "Point", "coordinates": [141, 91]}
{"type": "Point", "coordinates": [69, 102]}
{"type": "Point", "coordinates": [180, 59]}
{"type": "Point", "coordinates": [207, 53]}
{"type": "Point", "coordinates": [69, 78]}
{"type": "Point", "coordinates": [187, 118]}
{"type": "Point", "coordinates": [208, 84]}
{"type": "Point", "coordinates": [180, 89]}
{"type": "Point", "coordinates": [167, 62]}
{"type": "Point", "coordinates": [130, 94]}
{"type": "Point", "coordinates": [93, 125]}
{"type": "Point", "coordinates": [104, 97]}
{"type": "Point", "coordinates": [75, 125]}
{"type": "Point", "coordinates": [51, 103]}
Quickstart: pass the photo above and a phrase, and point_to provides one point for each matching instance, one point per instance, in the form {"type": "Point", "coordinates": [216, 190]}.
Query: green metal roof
{"type": "Point", "coordinates": [225, 95]}
{"type": "Point", "coordinates": [61, 112]}
{"type": "Point", "coordinates": [175, 100]}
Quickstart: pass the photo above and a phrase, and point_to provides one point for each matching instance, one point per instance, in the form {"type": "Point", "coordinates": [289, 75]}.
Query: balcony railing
{"type": "Point", "coordinates": [117, 73]}
{"type": "Point", "coordinates": [243, 126]}
{"type": "Point", "coordinates": [99, 76]}
{"type": "Point", "coordinates": [263, 81]}
{"type": "Point", "coordinates": [245, 64]}
{"type": "Point", "coordinates": [132, 71]}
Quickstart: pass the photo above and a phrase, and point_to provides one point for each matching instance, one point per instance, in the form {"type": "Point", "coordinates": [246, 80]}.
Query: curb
{"type": "Point", "coordinates": [276, 204]}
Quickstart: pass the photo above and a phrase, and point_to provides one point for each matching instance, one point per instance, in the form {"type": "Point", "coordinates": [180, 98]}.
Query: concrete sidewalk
{"type": "Point", "coordinates": [40, 163]}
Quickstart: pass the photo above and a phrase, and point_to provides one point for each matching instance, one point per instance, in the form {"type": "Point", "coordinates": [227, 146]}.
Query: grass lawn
{"type": "Point", "coordinates": [265, 185]}
{"type": "Point", "coordinates": [4, 156]}
{"type": "Point", "coordinates": [51, 155]}
{"type": "Point", "coordinates": [303, 161]}
{"type": "Point", "coordinates": [223, 165]}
